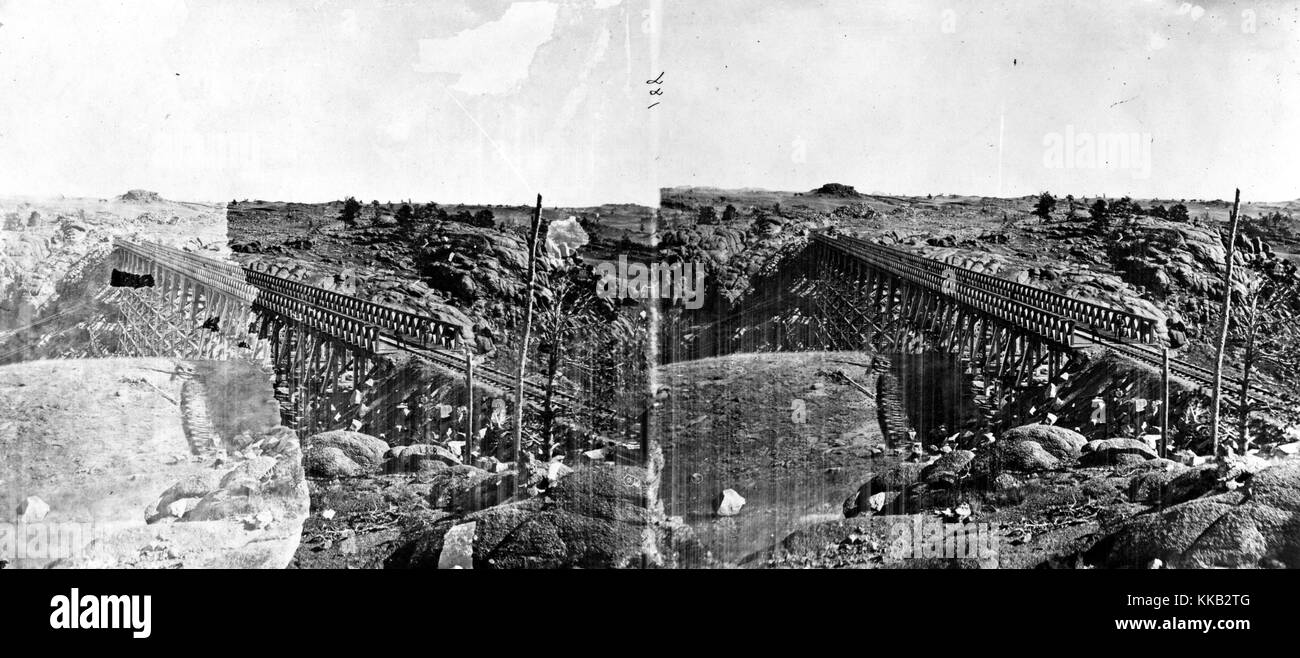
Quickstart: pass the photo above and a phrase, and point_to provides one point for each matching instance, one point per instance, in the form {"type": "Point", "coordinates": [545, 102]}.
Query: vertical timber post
{"type": "Point", "coordinates": [1164, 404]}
{"type": "Point", "coordinates": [467, 457]}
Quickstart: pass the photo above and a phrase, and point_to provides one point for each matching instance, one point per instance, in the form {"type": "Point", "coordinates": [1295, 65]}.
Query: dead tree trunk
{"type": "Point", "coordinates": [528, 327]}
{"type": "Point", "coordinates": [1221, 343]}
{"type": "Point", "coordinates": [548, 409]}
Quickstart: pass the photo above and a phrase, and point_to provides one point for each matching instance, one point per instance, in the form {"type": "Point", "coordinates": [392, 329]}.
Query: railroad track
{"type": "Point", "coordinates": [1097, 317]}
{"type": "Point", "coordinates": [1089, 323]}
{"type": "Point", "coordinates": [361, 324]}
{"type": "Point", "coordinates": [1204, 377]}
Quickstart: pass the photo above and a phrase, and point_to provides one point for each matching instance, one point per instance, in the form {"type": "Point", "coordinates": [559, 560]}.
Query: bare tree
{"type": "Point", "coordinates": [1265, 328]}
{"type": "Point", "coordinates": [573, 316]}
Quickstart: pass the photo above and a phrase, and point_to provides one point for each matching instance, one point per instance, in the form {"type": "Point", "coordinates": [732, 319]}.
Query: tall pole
{"type": "Point", "coordinates": [1164, 406]}
{"type": "Point", "coordinates": [528, 328]}
{"type": "Point", "coordinates": [1217, 391]}
{"type": "Point", "coordinates": [468, 453]}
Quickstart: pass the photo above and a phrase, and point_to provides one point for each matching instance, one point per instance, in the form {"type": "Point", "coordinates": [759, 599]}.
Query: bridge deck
{"type": "Point", "coordinates": [362, 325]}
{"type": "Point", "coordinates": [1033, 309]}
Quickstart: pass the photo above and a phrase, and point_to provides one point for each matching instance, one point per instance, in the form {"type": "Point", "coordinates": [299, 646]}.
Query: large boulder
{"type": "Point", "coordinates": [1108, 452]}
{"type": "Point", "coordinates": [194, 486]}
{"type": "Point", "coordinates": [1149, 480]}
{"type": "Point", "coordinates": [594, 517]}
{"type": "Point", "coordinates": [328, 462]}
{"type": "Point", "coordinates": [364, 450]}
{"type": "Point", "coordinates": [286, 478]}
{"type": "Point", "coordinates": [222, 504]}
{"type": "Point", "coordinates": [482, 493]}
{"type": "Point", "coordinates": [419, 458]}
{"type": "Point", "coordinates": [1022, 457]}
{"type": "Point", "coordinates": [250, 470]}
{"type": "Point", "coordinates": [948, 470]}
{"type": "Point", "coordinates": [448, 485]}
{"type": "Point", "coordinates": [1060, 442]}
{"type": "Point", "coordinates": [605, 491]}
{"type": "Point", "coordinates": [1173, 484]}
{"type": "Point", "coordinates": [1257, 527]}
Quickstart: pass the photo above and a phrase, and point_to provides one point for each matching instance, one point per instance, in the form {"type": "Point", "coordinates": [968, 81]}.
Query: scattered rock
{"type": "Point", "coordinates": [32, 510]}
{"type": "Point", "coordinates": [1287, 449]}
{"type": "Point", "coordinates": [879, 501]}
{"type": "Point", "coordinates": [1006, 482]}
{"type": "Point", "coordinates": [728, 503]}
{"type": "Point", "coordinates": [458, 547]}
{"type": "Point", "coordinates": [181, 507]}
{"type": "Point", "coordinates": [851, 506]}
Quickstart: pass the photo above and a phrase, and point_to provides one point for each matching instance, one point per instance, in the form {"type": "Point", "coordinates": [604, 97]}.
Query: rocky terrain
{"type": "Point", "coordinates": [449, 268]}
{"type": "Point", "coordinates": [418, 506]}
{"type": "Point", "coordinates": [53, 258]}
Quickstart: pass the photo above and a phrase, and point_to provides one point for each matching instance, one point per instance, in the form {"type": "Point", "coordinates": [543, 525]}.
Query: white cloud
{"type": "Point", "coordinates": [492, 58]}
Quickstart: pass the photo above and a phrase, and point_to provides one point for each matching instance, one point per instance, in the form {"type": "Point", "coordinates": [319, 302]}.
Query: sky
{"type": "Point", "coordinates": [978, 97]}
{"type": "Point", "coordinates": [495, 101]}
{"type": "Point", "coordinates": [475, 102]}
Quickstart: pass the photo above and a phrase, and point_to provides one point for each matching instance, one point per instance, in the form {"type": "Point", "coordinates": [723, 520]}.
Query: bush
{"type": "Point", "coordinates": [1178, 213]}
{"type": "Point", "coordinates": [1046, 204]}
{"type": "Point", "coordinates": [351, 211]}
{"type": "Point", "coordinates": [1098, 210]}
{"type": "Point", "coordinates": [405, 215]}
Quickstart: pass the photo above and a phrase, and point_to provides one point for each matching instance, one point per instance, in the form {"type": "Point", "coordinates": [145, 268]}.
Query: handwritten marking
{"type": "Point", "coordinates": [657, 82]}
